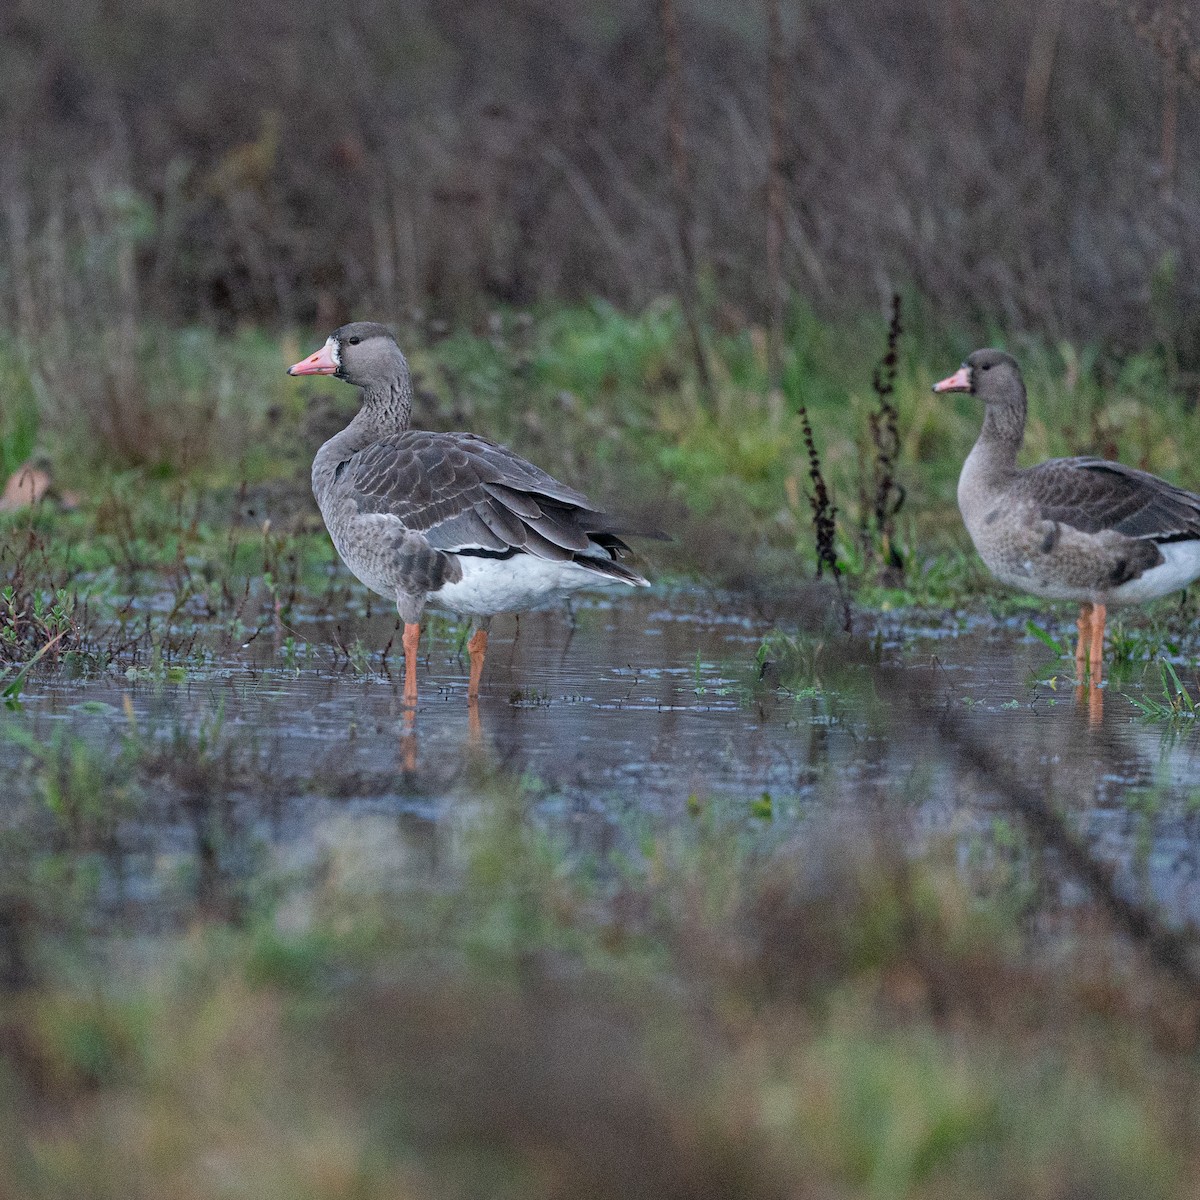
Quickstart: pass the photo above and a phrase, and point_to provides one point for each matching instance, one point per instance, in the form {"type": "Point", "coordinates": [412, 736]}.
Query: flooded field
{"type": "Point", "coordinates": [612, 717]}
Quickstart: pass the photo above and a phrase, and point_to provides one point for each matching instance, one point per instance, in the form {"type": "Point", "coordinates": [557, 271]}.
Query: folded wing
{"type": "Point", "coordinates": [1093, 494]}
{"type": "Point", "coordinates": [467, 495]}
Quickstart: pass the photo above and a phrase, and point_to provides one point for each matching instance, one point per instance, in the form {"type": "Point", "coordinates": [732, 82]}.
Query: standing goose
{"type": "Point", "coordinates": [1082, 529]}
{"type": "Point", "coordinates": [447, 518]}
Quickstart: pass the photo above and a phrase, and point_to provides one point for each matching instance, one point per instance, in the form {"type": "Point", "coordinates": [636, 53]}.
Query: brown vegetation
{"type": "Point", "coordinates": [289, 162]}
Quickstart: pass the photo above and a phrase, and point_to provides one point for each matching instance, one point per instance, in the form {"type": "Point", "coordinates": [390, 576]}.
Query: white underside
{"type": "Point", "coordinates": [1180, 566]}
{"type": "Point", "coordinates": [517, 584]}
{"type": "Point", "coordinates": [489, 585]}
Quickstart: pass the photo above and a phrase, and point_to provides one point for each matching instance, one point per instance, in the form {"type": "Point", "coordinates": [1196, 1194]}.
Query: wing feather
{"type": "Point", "coordinates": [1093, 495]}
{"type": "Point", "coordinates": [544, 548]}
{"type": "Point", "coordinates": [506, 525]}
{"type": "Point", "coordinates": [522, 503]}
{"type": "Point", "coordinates": [465, 531]}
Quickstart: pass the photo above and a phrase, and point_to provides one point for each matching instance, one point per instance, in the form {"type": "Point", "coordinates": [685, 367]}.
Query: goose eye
{"type": "Point", "coordinates": [354, 340]}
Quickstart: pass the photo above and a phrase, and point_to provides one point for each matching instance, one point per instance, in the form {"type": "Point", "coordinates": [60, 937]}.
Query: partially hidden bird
{"type": "Point", "coordinates": [448, 519]}
{"type": "Point", "coordinates": [1084, 529]}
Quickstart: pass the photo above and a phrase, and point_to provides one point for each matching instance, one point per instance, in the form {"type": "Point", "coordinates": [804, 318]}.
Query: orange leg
{"type": "Point", "coordinates": [1090, 653]}
{"type": "Point", "coordinates": [476, 648]}
{"type": "Point", "coordinates": [1096, 656]}
{"type": "Point", "coordinates": [412, 634]}
{"type": "Point", "coordinates": [1084, 625]}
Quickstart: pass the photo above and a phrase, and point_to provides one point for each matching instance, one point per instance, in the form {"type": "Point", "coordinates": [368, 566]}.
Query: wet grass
{"type": "Point", "coordinates": [752, 1000]}
{"type": "Point", "coordinates": [1174, 703]}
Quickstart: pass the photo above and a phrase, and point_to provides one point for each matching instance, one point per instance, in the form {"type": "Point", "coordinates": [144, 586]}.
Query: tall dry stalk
{"type": "Point", "coordinates": [1165, 29]}
{"type": "Point", "coordinates": [685, 223]}
{"type": "Point", "coordinates": [1039, 72]}
{"type": "Point", "coordinates": [450, 200]}
{"type": "Point", "coordinates": [956, 39]}
{"type": "Point", "coordinates": [19, 261]}
{"type": "Point", "coordinates": [1173, 37]}
{"type": "Point", "coordinates": [775, 214]}
{"type": "Point", "coordinates": [887, 495]}
{"type": "Point", "coordinates": [824, 516]}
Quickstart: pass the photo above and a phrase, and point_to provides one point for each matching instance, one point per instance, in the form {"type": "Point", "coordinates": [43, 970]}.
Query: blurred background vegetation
{"type": "Point", "coordinates": [292, 163]}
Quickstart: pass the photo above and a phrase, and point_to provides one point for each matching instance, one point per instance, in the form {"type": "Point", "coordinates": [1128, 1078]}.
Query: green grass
{"type": "Point", "coordinates": [202, 491]}
{"type": "Point", "coordinates": [1174, 704]}
{"type": "Point", "coordinates": [608, 400]}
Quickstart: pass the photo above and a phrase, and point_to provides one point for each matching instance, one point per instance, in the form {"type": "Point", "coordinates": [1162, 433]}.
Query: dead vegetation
{"type": "Point", "coordinates": [1006, 166]}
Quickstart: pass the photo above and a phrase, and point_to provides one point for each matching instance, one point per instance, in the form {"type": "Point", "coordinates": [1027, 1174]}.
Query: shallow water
{"type": "Point", "coordinates": [647, 706]}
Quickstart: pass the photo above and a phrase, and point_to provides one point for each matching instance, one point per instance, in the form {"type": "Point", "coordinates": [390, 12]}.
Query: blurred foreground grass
{"type": "Point", "coordinates": [729, 1006]}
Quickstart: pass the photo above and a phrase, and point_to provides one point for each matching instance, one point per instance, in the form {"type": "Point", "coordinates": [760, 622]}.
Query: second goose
{"type": "Point", "coordinates": [1082, 529]}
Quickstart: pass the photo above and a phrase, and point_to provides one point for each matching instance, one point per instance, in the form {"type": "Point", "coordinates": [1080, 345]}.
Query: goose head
{"type": "Point", "coordinates": [992, 375]}
{"type": "Point", "coordinates": [363, 353]}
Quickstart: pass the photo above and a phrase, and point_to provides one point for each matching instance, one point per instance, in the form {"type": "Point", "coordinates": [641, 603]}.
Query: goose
{"type": "Point", "coordinates": [1083, 529]}
{"type": "Point", "coordinates": [449, 519]}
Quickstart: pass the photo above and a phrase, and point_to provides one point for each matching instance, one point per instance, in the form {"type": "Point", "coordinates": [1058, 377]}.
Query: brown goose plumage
{"type": "Point", "coordinates": [1082, 529]}
{"type": "Point", "coordinates": [447, 518]}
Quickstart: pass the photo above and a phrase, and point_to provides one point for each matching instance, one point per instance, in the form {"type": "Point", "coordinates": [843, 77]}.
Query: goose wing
{"type": "Point", "coordinates": [1093, 494]}
{"type": "Point", "coordinates": [464, 493]}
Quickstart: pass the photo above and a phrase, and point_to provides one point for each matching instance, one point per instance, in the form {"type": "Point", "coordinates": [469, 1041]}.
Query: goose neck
{"type": "Point", "coordinates": [1002, 434]}
{"type": "Point", "coordinates": [386, 409]}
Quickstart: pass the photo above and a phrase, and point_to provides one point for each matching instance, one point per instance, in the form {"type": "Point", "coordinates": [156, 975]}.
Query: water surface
{"type": "Point", "coordinates": [649, 707]}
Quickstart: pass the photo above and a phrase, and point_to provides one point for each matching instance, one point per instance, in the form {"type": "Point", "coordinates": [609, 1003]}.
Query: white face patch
{"type": "Point", "coordinates": [332, 346]}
